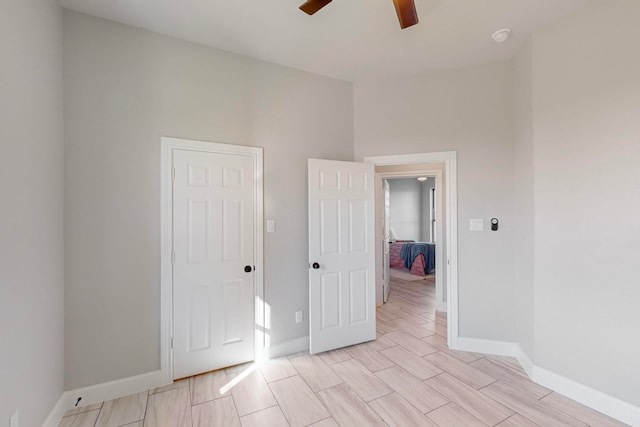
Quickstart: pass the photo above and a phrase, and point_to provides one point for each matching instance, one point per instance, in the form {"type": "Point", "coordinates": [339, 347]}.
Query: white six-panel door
{"type": "Point", "coordinates": [341, 254]}
{"type": "Point", "coordinates": [213, 221]}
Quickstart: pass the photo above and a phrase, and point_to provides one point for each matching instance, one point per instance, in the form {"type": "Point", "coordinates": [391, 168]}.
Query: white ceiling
{"type": "Point", "coordinates": [348, 39]}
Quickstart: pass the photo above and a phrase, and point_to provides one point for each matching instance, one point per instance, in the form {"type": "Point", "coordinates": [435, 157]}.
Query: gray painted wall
{"type": "Point", "coordinates": [124, 89]}
{"type": "Point", "coordinates": [586, 163]}
{"type": "Point", "coordinates": [469, 111]}
{"type": "Point", "coordinates": [31, 211]}
{"type": "Point", "coordinates": [523, 198]}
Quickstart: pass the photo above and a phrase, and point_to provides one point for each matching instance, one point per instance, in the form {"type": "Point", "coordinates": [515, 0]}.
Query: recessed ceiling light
{"type": "Point", "coordinates": [422, 178]}
{"type": "Point", "coordinates": [501, 36]}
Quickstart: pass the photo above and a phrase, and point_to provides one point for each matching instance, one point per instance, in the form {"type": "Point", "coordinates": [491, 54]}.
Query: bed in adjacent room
{"type": "Point", "coordinates": [418, 258]}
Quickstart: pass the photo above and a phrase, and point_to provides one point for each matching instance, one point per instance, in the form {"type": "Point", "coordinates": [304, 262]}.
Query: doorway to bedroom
{"type": "Point", "coordinates": [410, 240]}
{"type": "Point", "coordinates": [416, 220]}
{"type": "Point", "coordinates": [411, 227]}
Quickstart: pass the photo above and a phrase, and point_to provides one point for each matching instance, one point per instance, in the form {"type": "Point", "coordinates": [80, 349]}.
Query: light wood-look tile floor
{"type": "Point", "coordinates": [406, 377]}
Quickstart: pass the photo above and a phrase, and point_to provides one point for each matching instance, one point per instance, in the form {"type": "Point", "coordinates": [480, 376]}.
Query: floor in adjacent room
{"type": "Point", "coordinates": [407, 377]}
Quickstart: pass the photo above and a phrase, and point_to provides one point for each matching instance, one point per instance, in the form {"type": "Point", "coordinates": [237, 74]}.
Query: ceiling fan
{"type": "Point", "coordinates": [406, 10]}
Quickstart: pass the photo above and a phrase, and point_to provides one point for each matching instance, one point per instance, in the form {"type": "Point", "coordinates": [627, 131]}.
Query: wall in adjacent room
{"type": "Point", "coordinates": [410, 208]}
{"type": "Point", "coordinates": [405, 208]}
{"type": "Point", "coordinates": [124, 89]}
{"type": "Point", "coordinates": [31, 211]}
{"type": "Point", "coordinates": [468, 111]}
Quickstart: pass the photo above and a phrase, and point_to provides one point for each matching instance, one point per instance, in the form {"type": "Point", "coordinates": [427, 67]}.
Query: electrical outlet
{"type": "Point", "coordinates": [298, 316]}
{"type": "Point", "coordinates": [13, 421]}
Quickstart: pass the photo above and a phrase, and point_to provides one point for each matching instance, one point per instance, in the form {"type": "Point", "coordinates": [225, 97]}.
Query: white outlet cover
{"type": "Point", "coordinates": [476, 225]}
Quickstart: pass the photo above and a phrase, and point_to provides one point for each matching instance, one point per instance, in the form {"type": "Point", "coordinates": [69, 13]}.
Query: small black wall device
{"type": "Point", "coordinates": [494, 224]}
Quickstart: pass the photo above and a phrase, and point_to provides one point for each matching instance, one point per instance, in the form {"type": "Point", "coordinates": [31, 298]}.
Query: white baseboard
{"type": "Point", "coordinates": [136, 384]}
{"type": "Point", "coordinates": [500, 348]}
{"type": "Point", "coordinates": [601, 402]}
{"type": "Point", "coordinates": [288, 347]}
{"type": "Point", "coordinates": [524, 361]}
{"type": "Point", "coordinates": [105, 391]}
{"type": "Point", "coordinates": [592, 398]}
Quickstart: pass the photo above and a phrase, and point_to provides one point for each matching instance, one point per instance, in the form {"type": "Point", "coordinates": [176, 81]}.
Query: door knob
{"type": "Point", "coordinates": [315, 266]}
{"type": "Point", "coordinates": [247, 269]}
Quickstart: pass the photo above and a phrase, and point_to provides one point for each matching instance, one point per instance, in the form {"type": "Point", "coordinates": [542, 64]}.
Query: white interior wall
{"type": "Point", "coordinates": [468, 111]}
{"type": "Point", "coordinates": [586, 166]}
{"type": "Point", "coordinates": [124, 89]}
{"type": "Point", "coordinates": [31, 211]}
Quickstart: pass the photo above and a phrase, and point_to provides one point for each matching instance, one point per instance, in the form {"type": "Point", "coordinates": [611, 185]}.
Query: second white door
{"type": "Point", "coordinates": [342, 304]}
{"type": "Point", "coordinates": [213, 278]}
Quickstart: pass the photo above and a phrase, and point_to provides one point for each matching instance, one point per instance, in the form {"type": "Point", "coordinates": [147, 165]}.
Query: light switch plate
{"type": "Point", "coordinates": [271, 226]}
{"type": "Point", "coordinates": [13, 421]}
{"type": "Point", "coordinates": [476, 225]}
{"type": "Point", "coordinates": [298, 316]}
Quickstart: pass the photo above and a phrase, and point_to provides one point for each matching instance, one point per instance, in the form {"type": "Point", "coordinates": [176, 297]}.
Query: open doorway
{"type": "Point", "coordinates": [412, 228]}
{"type": "Point", "coordinates": [411, 235]}
{"type": "Point", "coordinates": [441, 296]}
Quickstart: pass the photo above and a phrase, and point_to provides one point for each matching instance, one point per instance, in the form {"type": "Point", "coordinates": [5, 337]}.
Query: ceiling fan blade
{"type": "Point", "coordinates": [312, 6]}
{"type": "Point", "coordinates": [406, 10]}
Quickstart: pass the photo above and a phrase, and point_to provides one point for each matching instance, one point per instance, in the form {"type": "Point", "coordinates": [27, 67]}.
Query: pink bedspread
{"type": "Point", "coordinates": [395, 261]}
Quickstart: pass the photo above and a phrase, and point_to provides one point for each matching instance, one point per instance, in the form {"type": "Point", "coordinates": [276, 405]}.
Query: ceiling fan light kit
{"type": "Point", "coordinates": [405, 9]}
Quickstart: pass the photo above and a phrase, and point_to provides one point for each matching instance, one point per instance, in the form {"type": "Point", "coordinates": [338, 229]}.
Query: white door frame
{"type": "Point", "coordinates": [167, 146]}
{"type": "Point", "coordinates": [440, 303]}
{"type": "Point", "coordinates": [449, 158]}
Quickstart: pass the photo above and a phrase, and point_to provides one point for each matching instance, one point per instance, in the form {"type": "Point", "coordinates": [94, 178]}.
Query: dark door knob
{"type": "Point", "coordinates": [315, 266]}
{"type": "Point", "coordinates": [247, 269]}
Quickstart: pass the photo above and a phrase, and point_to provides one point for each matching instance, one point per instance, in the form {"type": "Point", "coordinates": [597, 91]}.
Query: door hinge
{"type": "Point", "coordinates": [173, 174]}
{"type": "Point", "coordinates": [172, 342]}
{"type": "Point", "coordinates": [173, 257]}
